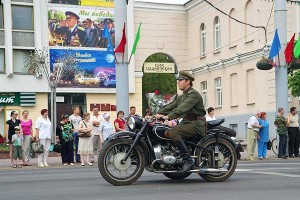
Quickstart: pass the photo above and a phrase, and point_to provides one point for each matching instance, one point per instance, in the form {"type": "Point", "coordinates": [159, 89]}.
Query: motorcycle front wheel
{"type": "Point", "coordinates": [111, 165]}
{"type": "Point", "coordinates": [227, 159]}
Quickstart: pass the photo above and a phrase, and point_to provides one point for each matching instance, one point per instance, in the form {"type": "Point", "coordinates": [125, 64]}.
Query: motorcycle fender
{"type": "Point", "coordinates": [122, 134]}
{"type": "Point", "coordinates": [131, 135]}
{"type": "Point", "coordinates": [220, 136]}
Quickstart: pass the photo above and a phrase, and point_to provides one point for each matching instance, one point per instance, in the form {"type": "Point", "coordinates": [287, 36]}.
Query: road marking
{"type": "Point", "coordinates": [255, 164]}
{"type": "Point", "coordinates": [258, 169]}
{"type": "Point", "coordinates": [277, 174]}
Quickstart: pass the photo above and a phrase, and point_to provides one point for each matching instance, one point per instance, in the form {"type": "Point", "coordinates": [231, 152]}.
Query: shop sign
{"type": "Point", "coordinates": [12, 99]}
{"type": "Point", "coordinates": [151, 67]}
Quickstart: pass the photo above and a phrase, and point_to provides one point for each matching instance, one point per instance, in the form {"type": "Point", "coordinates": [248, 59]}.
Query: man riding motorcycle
{"type": "Point", "coordinates": [188, 106]}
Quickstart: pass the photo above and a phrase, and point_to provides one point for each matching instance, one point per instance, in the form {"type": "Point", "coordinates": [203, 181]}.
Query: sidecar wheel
{"type": "Point", "coordinates": [111, 167]}
{"type": "Point", "coordinates": [228, 159]}
{"type": "Point", "coordinates": [177, 176]}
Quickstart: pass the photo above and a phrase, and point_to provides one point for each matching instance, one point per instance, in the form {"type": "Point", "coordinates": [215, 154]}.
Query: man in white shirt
{"type": "Point", "coordinates": [96, 118]}
{"type": "Point", "coordinates": [75, 119]}
{"type": "Point", "coordinates": [252, 133]}
{"type": "Point", "coordinates": [210, 114]}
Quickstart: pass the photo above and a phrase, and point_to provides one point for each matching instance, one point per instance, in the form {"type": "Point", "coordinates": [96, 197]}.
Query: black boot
{"type": "Point", "coordinates": [188, 162]}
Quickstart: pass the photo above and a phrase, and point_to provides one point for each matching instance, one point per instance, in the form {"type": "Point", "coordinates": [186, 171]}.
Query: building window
{"type": "Point", "coordinates": [219, 92]}
{"type": "Point", "coordinates": [217, 26]}
{"type": "Point", "coordinates": [249, 13]}
{"type": "Point", "coordinates": [19, 58]}
{"type": "Point", "coordinates": [249, 87]}
{"type": "Point", "coordinates": [22, 17]}
{"type": "Point", "coordinates": [204, 93]}
{"type": "Point", "coordinates": [233, 127]}
{"type": "Point", "coordinates": [203, 40]}
{"type": "Point", "coordinates": [234, 95]}
{"type": "Point", "coordinates": [2, 63]}
{"type": "Point", "coordinates": [1, 16]}
{"type": "Point", "coordinates": [232, 28]}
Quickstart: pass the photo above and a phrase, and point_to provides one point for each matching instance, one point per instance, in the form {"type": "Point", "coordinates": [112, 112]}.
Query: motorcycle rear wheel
{"type": "Point", "coordinates": [228, 161]}
{"type": "Point", "coordinates": [177, 176]}
{"type": "Point", "coordinates": [111, 168]}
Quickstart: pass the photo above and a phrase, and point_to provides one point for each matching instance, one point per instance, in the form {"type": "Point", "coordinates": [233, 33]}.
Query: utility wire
{"type": "Point", "coordinates": [253, 26]}
{"type": "Point", "coordinates": [260, 27]}
{"type": "Point", "coordinates": [213, 51]}
{"type": "Point", "coordinates": [270, 14]}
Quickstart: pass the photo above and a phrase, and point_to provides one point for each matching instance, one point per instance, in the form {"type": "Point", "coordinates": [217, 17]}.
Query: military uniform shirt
{"type": "Point", "coordinates": [189, 106]}
{"type": "Point", "coordinates": [280, 121]}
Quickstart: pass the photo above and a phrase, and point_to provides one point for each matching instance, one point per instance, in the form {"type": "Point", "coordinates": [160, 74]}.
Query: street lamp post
{"type": "Point", "coordinates": [38, 64]}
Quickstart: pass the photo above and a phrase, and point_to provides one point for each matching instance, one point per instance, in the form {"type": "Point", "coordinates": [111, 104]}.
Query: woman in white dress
{"type": "Point", "coordinates": [85, 146]}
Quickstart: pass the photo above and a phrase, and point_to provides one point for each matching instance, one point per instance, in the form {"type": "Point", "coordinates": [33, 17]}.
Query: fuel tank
{"type": "Point", "coordinates": [158, 131]}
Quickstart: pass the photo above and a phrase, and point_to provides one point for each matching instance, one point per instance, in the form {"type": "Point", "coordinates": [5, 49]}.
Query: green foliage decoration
{"type": "Point", "coordinates": [164, 83]}
{"type": "Point", "coordinates": [294, 83]}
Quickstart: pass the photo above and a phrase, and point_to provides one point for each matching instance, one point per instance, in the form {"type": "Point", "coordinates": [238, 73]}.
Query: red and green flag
{"type": "Point", "coordinates": [121, 47]}
{"type": "Point", "coordinates": [136, 40]}
{"type": "Point", "coordinates": [297, 49]}
{"type": "Point", "coordinates": [288, 52]}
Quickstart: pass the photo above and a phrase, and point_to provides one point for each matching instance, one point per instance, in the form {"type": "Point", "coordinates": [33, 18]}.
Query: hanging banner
{"type": "Point", "coordinates": [98, 3]}
{"type": "Point", "coordinates": [151, 67]}
{"type": "Point", "coordinates": [94, 69]}
{"type": "Point", "coordinates": [80, 27]}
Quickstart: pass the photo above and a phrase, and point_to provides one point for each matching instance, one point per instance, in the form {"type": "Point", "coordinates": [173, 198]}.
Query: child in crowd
{"type": "Point", "coordinates": [18, 146]}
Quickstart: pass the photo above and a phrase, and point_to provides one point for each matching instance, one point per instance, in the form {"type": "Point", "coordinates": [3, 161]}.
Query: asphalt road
{"type": "Point", "coordinates": [271, 179]}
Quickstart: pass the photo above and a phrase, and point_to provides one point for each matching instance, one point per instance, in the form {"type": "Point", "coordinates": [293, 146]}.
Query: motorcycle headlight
{"type": "Point", "coordinates": [131, 123]}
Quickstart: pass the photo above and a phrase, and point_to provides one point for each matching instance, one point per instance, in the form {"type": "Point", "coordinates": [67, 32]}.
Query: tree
{"type": "Point", "coordinates": [164, 83]}
{"type": "Point", "coordinates": [294, 83]}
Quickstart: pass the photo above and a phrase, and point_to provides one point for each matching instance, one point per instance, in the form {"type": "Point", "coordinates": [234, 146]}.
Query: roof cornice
{"type": "Point", "coordinates": [239, 58]}
{"type": "Point", "coordinates": [138, 5]}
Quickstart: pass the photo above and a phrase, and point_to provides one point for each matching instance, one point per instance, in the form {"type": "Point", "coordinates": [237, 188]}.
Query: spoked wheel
{"type": "Point", "coordinates": [177, 176]}
{"type": "Point", "coordinates": [227, 159]}
{"type": "Point", "coordinates": [274, 146]}
{"type": "Point", "coordinates": [112, 167]}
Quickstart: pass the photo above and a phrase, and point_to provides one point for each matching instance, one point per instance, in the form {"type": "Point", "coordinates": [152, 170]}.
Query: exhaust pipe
{"type": "Point", "coordinates": [212, 170]}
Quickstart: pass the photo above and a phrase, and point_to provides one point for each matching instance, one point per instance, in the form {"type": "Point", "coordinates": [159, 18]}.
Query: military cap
{"type": "Point", "coordinates": [185, 75]}
{"type": "Point", "coordinates": [108, 19]}
{"type": "Point", "coordinates": [72, 14]}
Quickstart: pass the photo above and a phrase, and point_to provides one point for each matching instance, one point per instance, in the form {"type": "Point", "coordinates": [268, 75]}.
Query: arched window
{"type": "Point", "coordinates": [249, 13]}
{"type": "Point", "coordinates": [202, 39]}
{"type": "Point", "coordinates": [217, 34]}
{"type": "Point", "coordinates": [233, 36]}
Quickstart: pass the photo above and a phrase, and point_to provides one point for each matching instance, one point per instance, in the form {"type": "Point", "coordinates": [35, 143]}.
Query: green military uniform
{"type": "Point", "coordinates": [281, 123]}
{"type": "Point", "coordinates": [188, 106]}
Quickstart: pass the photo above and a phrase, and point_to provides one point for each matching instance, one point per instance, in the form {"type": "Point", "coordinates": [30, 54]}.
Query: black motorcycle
{"type": "Point", "coordinates": [125, 154]}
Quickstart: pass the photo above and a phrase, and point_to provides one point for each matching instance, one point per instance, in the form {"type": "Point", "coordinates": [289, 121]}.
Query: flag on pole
{"type": "Point", "coordinates": [288, 52]}
{"type": "Point", "coordinates": [121, 47]}
{"type": "Point", "coordinates": [106, 34]}
{"type": "Point", "coordinates": [136, 40]}
{"type": "Point", "coordinates": [297, 49]}
{"type": "Point", "coordinates": [276, 46]}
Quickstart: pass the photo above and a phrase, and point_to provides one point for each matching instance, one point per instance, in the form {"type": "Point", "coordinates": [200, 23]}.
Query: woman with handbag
{"type": "Point", "coordinates": [64, 136]}
{"type": "Point", "coordinates": [85, 146]}
{"type": "Point", "coordinates": [263, 136]}
{"type": "Point", "coordinates": [43, 137]}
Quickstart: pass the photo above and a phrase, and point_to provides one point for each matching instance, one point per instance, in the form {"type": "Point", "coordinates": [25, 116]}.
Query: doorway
{"type": "Point", "coordinates": [161, 83]}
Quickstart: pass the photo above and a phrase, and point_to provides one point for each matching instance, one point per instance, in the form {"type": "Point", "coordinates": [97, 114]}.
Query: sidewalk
{"type": "Point", "coordinates": [56, 161]}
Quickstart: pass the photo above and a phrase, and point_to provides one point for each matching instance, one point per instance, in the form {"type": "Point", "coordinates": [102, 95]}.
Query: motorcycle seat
{"type": "Point", "coordinates": [217, 122]}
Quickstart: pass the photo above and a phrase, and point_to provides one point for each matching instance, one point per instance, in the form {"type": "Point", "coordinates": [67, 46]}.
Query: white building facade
{"type": "Point", "coordinates": [220, 52]}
